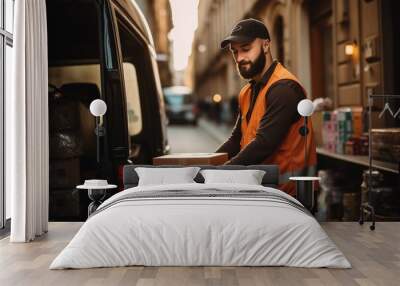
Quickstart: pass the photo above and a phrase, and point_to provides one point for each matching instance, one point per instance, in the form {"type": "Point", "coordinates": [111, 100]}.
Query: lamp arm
{"type": "Point", "coordinates": [305, 144]}
{"type": "Point", "coordinates": [98, 138]}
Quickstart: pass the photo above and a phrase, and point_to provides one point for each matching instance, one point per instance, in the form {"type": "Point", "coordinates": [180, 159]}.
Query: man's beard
{"type": "Point", "coordinates": [255, 68]}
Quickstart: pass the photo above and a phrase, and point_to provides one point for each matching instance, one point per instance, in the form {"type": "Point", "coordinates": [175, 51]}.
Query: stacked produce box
{"type": "Point", "coordinates": [344, 129]}
{"type": "Point", "coordinates": [329, 130]}
{"type": "Point", "coordinates": [342, 132]}
{"type": "Point", "coordinates": [339, 198]}
{"type": "Point", "coordinates": [65, 150]}
{"type": "Point", "coordinates": [386, 144]}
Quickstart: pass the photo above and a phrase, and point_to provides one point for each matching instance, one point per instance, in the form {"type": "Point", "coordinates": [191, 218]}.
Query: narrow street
{"type": "Point", "coordinates": [189, 138]}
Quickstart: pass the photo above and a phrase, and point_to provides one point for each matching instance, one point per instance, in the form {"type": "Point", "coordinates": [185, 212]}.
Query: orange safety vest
{"type": "Point", "coordinates": [290, 155]}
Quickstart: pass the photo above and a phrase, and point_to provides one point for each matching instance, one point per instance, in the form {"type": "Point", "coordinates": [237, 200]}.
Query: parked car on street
{"type": "Point", "coordinates": [180, 105]}
{"type": "Point", "coordinates": [100, 49]}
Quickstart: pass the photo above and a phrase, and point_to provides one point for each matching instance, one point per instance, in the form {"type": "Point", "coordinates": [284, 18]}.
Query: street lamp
{"type": "Point", "coordinates": [98, 108]}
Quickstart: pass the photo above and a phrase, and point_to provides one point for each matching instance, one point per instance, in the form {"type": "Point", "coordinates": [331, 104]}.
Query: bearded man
{"type": "Point", "coordinates": [268, 124]}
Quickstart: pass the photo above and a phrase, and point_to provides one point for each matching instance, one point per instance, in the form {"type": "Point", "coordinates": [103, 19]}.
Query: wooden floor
{"type": "Point", "coordinates": [375, 256]}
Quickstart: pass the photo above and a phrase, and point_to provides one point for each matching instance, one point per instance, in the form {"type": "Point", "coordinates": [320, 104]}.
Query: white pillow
{"type": "Point", "coordinates": [162, 176]}
{"type": "Point", "coordinates": [249, 177]}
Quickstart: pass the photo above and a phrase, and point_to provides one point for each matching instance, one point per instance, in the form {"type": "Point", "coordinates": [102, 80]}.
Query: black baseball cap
{"type": "Point", "coordinates": [245, 31]}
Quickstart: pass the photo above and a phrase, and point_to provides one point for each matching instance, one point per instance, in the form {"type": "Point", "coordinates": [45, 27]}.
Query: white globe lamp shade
{"type": "Point", "coordinates": [305, 107]}
{"type": "Point", "coordinates": [98, 107]}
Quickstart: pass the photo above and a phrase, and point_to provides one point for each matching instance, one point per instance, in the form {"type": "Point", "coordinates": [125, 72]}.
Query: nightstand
{"type": "Point", "coordinates": [96, 191]}
{"type": "Point", "coordinates": [305, 191]}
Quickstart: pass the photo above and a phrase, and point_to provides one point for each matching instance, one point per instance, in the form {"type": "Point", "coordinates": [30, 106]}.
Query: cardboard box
{"type": "Point", "coordinates": [386, 144]}
{"type": "Point", "coordinates": [65, 204]}
{"type": "Point", "coordinates": [64, 173]}
{"type": "Point", "coordinates": [63, 115]}
{"type": "Point", "coordinates": [317, 122]}
{"type": "Point", "coordinates": [191, 159]}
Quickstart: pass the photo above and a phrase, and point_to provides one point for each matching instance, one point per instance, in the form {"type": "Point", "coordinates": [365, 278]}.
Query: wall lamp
{"type": "Point", "coordinates": [98, 108]}
{"type": "Point", "coordinates": [350, 49]}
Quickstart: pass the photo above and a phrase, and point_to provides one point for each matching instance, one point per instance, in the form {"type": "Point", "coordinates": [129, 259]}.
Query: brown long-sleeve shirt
{"type": "Point", "coordinates": [281, 112]}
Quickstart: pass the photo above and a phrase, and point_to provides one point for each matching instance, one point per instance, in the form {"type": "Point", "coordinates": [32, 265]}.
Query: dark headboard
{"type": "Point", "coordinates": [270, 179]}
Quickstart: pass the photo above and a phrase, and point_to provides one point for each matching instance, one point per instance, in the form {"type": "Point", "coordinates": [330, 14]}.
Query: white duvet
{"type": "Point", "coordinates": [185, 231]}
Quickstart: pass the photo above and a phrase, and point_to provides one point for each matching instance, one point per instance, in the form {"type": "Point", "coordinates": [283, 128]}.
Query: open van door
{"type": "Point", "coordinates": [141, 87]}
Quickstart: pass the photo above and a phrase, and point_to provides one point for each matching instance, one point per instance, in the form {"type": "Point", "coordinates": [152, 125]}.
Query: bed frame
{"type": "Point", "coordinates": [270, 179]}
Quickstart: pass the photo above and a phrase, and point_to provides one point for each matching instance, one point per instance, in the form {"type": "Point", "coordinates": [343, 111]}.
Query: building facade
{"type": "Point", "coordinates": [337, 49]}
{"type": "Point", "coordinates": [344, 50]}
{"type": "Point", "coordinates": [159, 16]}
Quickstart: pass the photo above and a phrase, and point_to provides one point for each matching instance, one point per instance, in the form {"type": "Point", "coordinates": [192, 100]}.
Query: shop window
{"type": "Point", "coordinates": [9, 15]}
{"type": "Point", "coordinates": [6, 62]}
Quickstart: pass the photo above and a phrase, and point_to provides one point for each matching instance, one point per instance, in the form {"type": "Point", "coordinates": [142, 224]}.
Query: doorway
{"type": "Point", "coordinates": [278, 36]}
{"type": "Point", "coordinates": [321, 49]}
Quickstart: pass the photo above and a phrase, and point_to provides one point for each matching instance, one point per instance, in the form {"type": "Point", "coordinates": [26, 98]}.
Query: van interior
{"type": "Point", "coordinates": [74, 82]}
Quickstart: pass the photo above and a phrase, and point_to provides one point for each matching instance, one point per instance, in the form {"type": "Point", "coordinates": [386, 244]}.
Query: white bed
{"type": "Point", "coordinates": [224, 225]}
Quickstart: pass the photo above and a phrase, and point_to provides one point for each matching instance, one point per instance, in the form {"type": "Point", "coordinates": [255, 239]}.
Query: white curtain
{"type": "Point", "coordinates": [27, 124]}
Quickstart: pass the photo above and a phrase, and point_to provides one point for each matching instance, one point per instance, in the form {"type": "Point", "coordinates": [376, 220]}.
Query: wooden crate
{"type": "Point", "coordinates": [386, 144]}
